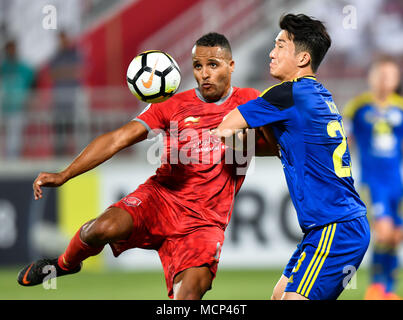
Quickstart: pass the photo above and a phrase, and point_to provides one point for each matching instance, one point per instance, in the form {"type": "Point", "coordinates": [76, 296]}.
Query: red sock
{"type": "Point", "coordinates": [76, 252]}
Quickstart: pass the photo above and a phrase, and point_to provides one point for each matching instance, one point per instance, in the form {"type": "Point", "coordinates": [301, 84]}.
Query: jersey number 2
{"type": "Point", "coordinates": [340, 170]}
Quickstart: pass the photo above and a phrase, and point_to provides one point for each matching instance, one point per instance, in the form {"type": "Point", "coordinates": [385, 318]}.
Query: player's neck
{"type": "Point", "coordinates": [381, 98]}
{"type": "Point", "coordinates": [225, 96]}
{"type": "Point", "coordinates": [300, 73]}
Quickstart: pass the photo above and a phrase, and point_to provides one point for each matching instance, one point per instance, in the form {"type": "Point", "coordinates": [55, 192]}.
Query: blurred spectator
{"type": "Point", "coordinates": [16, 80]}
{"type": "Point", "coordinates": [65, 71]}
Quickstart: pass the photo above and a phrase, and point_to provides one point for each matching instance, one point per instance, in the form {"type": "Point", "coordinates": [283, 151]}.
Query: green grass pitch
{"type": "Point", "coordinates": [228, 285]}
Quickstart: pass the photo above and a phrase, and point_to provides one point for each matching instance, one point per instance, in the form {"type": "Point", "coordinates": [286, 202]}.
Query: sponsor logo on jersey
{"type": "Point", "coordinates": [191, 120]}
{"type": "Point", "coordinates": [132, 201]}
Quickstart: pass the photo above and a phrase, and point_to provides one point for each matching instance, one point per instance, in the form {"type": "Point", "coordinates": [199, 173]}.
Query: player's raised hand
{"type": "Point", "coordinates": [47, 179]}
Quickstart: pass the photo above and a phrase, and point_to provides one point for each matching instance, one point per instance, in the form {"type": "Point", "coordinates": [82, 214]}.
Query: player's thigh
{"type": "Point", "coordinates": [292, 266]}
{"type": "Point", "coordinates": [279, 288]}
{"type": "Point", "coordinates": [153, 218]}
{"type": "Point", "coordinates": [192, 283]}
{"type": "Point", "coordinates": [151, 210]}
{"type": "Point", "coordinates": [114, 224]}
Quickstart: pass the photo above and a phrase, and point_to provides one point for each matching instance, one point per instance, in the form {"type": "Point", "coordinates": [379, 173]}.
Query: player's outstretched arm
{"type": "Point", "coordinates": [231, 123]}
{"type": "Point", "coordinates": [98, 151]}
{"type": "Point", "coordinates": [230, 130]}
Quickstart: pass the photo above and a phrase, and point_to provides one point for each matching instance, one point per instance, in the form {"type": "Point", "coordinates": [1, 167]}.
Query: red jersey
{"type": "Point", "coordinates": [195, 171]}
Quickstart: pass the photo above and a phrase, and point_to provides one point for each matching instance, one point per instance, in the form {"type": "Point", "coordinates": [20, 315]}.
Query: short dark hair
{"type": "Point", "coordinates": [214, 39]}
{"type": "Point", "coordinates": [307, 34]}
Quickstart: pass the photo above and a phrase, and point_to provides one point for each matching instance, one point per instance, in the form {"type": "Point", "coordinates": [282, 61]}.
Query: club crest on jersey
{"type": "Point", "coordinates": [132, 201]}
{"type": "Point", "coordinates": [191, 120]}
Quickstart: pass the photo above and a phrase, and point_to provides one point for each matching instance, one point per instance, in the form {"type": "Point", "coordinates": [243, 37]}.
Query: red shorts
{"type": "Point", "coordinates": [157, 224]}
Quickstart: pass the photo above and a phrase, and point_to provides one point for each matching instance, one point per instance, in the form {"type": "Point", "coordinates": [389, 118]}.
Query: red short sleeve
{"type": "Point", "coordinates": [253, 93]}
{"type": "Point", "coordinates": [156, 116]}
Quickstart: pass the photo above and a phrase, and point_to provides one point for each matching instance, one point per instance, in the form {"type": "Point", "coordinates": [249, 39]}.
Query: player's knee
{"type": "Point", "coordinates": [384, 232]}
{"type": "Point", "coordinates": [101, 231]}
{"type": "Point", "coordinates": [86, 231]}
{"type": "Point", "coordinates": [114, 224]}
{"type": "Point", "coordinates": [104, 230]}
{"type": "Point", "coordinates": [384, 237]}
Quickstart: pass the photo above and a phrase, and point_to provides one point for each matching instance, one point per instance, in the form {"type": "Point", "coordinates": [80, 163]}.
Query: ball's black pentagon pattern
{"type": "Point", "coordinates": [162, 75]}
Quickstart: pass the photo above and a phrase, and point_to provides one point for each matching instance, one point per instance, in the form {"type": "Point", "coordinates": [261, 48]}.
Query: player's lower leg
{"type": "Point", "coordinates": [68, 263]}
{"type": "Point", "coordinates": [77, 251]}
{"type": "Point", "coordinates": [391, 267]}
{"type": "Point", "coordinates": [114, 224]}
{"type": "Point", "coordinates": [383, 244]}
{"type": "Point", "coordinates": [376, 290]}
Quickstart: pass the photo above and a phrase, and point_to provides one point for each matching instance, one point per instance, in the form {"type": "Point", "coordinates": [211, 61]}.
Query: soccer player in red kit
{"type": "Point", "coordinates": [182, 211]}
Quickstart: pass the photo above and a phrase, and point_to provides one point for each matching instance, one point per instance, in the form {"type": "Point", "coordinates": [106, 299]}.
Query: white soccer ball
{"type": "Point", "coordinates": [153, 76]}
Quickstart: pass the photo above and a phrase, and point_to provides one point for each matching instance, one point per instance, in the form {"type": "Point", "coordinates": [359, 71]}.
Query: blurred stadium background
{"type": "Point", "coordinates": [73, 57]}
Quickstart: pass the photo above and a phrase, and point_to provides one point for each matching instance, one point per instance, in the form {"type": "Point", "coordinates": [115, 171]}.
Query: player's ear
{"type": "Point", "coordinates": [303, 59]}
{"type": "Point", "coordinates": [231, 65]}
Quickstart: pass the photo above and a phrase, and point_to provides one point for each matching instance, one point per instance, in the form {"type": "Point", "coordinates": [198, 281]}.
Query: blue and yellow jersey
{"type": "Point", "coordinates": [378, 133]}
{"type": "Point", "coordinates": [314, 150]}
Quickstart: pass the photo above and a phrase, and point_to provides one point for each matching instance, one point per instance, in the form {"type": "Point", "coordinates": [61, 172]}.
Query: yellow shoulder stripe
{"type": "Point", "coordinates": [269, 88]}
{"type": "Point", "coordinates": [356, 103]}
{"type": "Point", "coordinates": [293, 80]}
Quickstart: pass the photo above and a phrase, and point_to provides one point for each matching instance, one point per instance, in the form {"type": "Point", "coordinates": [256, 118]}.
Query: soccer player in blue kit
{"type": "Point", "coordinates": [376, 121]}
{"type": "Point", "coordinates": [316, 162]}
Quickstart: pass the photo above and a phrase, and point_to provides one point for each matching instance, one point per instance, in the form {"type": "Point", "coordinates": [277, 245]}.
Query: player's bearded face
{"type": "Point", "coordinates": [284, 60]}
{"type": "Point", "coordinates": [212, 68]}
